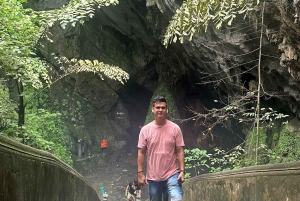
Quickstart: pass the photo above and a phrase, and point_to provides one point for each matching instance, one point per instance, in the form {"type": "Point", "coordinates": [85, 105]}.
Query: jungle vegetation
{"type": "Point", "coordinates": [25, 74]}
{"type": "Point", "coordinates": [268, 139]}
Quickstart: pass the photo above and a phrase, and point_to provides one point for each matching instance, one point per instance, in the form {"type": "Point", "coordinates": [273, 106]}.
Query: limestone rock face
{"type": "Point", "coordinates": [129, 35]}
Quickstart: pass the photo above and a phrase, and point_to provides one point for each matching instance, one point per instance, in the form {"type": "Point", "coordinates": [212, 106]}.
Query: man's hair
{"type": "Point", "coordinates": [158, 99]}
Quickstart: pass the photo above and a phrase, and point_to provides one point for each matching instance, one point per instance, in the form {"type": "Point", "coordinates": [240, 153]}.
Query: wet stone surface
{"type": "Point", "coordinates": [114, 177]}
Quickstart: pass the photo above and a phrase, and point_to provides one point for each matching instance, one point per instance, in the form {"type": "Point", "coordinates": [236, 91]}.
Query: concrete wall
{"type": "Point", "coordinates": [279, 182]}
{"type": "Point", "coordinates": [28, 174]}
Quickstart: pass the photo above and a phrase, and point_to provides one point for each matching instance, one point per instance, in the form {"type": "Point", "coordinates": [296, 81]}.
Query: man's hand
{"type": "Point", "coordinates": [180, 178]}
{"type": "Point", "coordinates": [142, 179]}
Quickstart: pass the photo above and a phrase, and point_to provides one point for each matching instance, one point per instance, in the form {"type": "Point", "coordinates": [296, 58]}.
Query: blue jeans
{"type": "Point", "coordinates": [159, 191]}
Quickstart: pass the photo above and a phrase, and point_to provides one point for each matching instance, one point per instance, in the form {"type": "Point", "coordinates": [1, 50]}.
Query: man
{"type": "Point", "coordinates": [162, 140]}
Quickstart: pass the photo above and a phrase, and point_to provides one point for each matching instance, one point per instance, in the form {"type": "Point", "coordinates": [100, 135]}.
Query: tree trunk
{"type": "Point", "coordinates": [259, 87]}
{"type": "Point", "coordinates": [21, 107]}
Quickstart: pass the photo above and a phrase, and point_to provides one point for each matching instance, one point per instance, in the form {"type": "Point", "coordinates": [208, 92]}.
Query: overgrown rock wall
{"type": "Point", "coordinates": [279, 182]}
{"type": "Point", "coordinates": [30, 174]}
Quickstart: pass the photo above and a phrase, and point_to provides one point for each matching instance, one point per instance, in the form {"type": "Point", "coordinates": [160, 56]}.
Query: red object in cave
{"type": "Point", "coordinates": [104, 144]}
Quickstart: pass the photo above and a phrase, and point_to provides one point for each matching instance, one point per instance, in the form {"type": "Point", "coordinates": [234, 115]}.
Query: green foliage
{"type": "Point", "coordinates": [195, 159]}
{"type": "Point", "coordinates": [265, 154]}
{"type": "Point", "coordinates": [22, 28]}
{"type": "Point", "coordinates": [8, 115]}
{"type": "Point", "coordinates": [76, 11]}
{"type": "Point", "coordinates": [76, 66]}
{"type": "Point", "coordinates": [18, 37]}
{"type": "Point", "coordinates": [267, 116]}
{"type": "Point", "coordinates": [262, 149]}
{"type": "Point", "coordinates": [162, 91]}
{"type": "Point", "coordinates": [287, 148]}
{"type": "Point", "coordinates": [199, 161]}
{"type": "Point", "coordinates": [45, 131]}
{"type": "Point", "coordinates": [20, 31]}
{"type": "Point", "coordinates": [48, 132]}
{"type": "Point", "coordinates": [194, 15]}
{"type": "Point", "coordinates": [226, 160]}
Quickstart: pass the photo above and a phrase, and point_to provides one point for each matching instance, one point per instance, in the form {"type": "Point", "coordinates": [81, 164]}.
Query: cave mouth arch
{"type": "Point", "coordinates": [136, 100]}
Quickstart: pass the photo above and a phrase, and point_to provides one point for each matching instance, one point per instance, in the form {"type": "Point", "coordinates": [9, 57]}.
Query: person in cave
{"type": "Point", "coordinates": [133, 191]}
{"type": "Point", "coordinates": [163, 143]}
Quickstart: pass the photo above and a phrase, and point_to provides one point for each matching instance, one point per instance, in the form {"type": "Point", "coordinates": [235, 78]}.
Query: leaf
{"type": "Point", "coordinates": [219, 24]}
{"type": "Point", "coordinates": [181, 39]}
{"type": "Point", "coordinates": [63, 25]}
{"type": "Point", "coordinates": [191, 37]}
{"type": "Point", "coordinates": [230, 21]}
{"type": "Point", "coordinates": [175, 39]}
{"type": "Point", "coordinates": [81, 21]}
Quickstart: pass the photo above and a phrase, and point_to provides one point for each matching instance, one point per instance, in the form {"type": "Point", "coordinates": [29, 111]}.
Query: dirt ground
{"type": "Point", "coordinates": [115, 176]}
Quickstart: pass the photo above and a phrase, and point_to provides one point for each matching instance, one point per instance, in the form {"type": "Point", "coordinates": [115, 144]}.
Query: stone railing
{"type": "Point", "coordinates": [277, 182]}
{"type": "Point", "coordinates": [30, 174]}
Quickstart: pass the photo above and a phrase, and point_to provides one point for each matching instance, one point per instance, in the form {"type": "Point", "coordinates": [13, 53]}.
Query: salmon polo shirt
{"type": "Point", "coordinates": [161, 142]}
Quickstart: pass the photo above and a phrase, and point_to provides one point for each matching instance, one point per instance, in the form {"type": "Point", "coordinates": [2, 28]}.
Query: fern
{"type": "Point", "coordinates": [100, 68]}
{"type": "Point", "coordinates": [194, 15]}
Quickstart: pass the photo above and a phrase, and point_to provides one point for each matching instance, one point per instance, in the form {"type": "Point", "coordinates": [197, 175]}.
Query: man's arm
{"type": "Point", "coordinates": [140, 162]}
{"type": "Point", "coordinates": [180, 156]}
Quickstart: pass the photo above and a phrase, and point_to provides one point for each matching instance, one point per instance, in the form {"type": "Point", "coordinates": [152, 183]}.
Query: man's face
{"type": "Point", "coordinates": [160, 110]}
